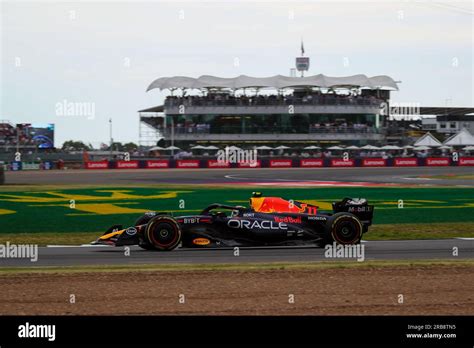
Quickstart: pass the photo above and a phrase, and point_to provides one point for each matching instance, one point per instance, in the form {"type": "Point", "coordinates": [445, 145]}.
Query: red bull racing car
{"type": "Point", "coordinates": [270, 221]}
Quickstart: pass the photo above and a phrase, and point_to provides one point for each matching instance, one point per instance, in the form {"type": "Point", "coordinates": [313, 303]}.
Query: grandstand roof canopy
{"type": "Point", "coordinates": [159, 108]}
{"type": "Point", "coordinates": [277, 81]}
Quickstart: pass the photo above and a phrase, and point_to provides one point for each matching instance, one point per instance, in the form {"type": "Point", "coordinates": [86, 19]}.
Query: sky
{"type": "Point", "coordinates": [78, 64]}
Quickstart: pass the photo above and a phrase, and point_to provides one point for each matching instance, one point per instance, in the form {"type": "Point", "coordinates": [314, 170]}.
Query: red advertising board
{"type": "Point", "coordinates": [187, 164]}
{"type": "Point", "coordinates": [280, 163]}
{"type": "Point", "coordinates": [339, 162]}
{"type": "Point", "coordinates": [217, 164]}
{"type": "Point", "coordinates": [127, 164]}
{"type": "Point", "coordinates": [313, 162]}
{"type": "Point", "coordinates": [257, 164]}
{"type": "Point", "coordinates": [374, 162]}
{"type": "Point", "coordinates": [157, 164]}
{"type": "Point", "coordinates": [437, 161]}
{"type": "Point", "coordinates": [97, 165]}
{"type": "Point", "coordinates": [405, 162]}
{"type": "Point", "coordinates": [466, 161]}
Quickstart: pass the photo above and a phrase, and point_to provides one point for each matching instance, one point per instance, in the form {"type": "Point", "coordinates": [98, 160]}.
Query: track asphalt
{"type": "Point", "coordinates": [284, 177]}
{"type": "Point", "coordinates": [373, 250]}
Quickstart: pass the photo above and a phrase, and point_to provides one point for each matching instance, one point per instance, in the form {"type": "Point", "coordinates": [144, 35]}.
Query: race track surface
{"type": "Point", "coordinates": [374, 250]}
{"type": "Point", "coordinates": [391, 175]}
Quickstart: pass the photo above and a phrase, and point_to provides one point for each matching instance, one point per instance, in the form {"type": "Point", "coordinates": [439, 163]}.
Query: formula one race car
{"type": "Point", "coordinates": [270, 221]}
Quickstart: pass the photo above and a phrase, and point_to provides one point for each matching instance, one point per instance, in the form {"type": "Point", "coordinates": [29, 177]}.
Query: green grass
{"type": "Point", "coordinates": [48, 209]}
{"type": "Point", "coordinates": [420, 231]}
{"type": "Point", "coordinates": [239, 267]}
{"type": "Point", "coordinates": [49, 238]}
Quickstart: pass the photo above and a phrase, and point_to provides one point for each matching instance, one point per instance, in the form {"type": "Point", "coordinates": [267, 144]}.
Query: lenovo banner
{"type": "Point", "coordinates": [342, 163]}
{"type": "Point", "coordinates": [187, 164]}
{"type": "Point", "coordinates": [157, 164]}
{"type": "Point", "coordinates": [280, 163]}
{"type": "Point", "coordinates": [97, 165]}
{"type": "Point", "coordinates": [217, 164]}
{"type": "Point", "coordinates": [442, 161]}
{"type": "Point", "coordinates": [466, 161]}
{"type": "Point", "coordinates": [374, 162]}
{"type": "Point", "coordinates": [405, 162]}
{"type": "Point", "coordinates": [127, 164]}
{"type": "Point", "coordinates": [312, 163]}
{"type": "Point", "coordinates": [256, 164]}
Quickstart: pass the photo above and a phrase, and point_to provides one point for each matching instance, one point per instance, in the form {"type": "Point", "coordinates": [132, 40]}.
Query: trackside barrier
{"type": "Point", "coordinates": [47, 165]}
{"type": "Point", "coordinates": [156, 164]}
{"type": "Point", "coordinates": [97, 165]}
{"type": "Point", "coordinates": [188, 164]}
{"type": "Point", "coordinates": [264, 163]}
{"type": "Point", "coordinates": [466, 161]}
{"type": "Point", "coordinates": [312, 163]}
{"type": "Point", "coordinates": [438, 162]}
{"type": "Point", "coordinates": [280, 163]}
{"type": "Point", "coordinates": [374, 162]}
{"type": "Point", "coordinates": [256, 164]}
{"type": "Point", "coordinates": [217, 164]}
{"type": "Point", "coordinates": [16, 166]}
{"type": "Point", "coordinates": [340, 162]}
{"type": "Point", "coordinates": [405, 162]}
{"type": "Point", "coordinates": [127, 164]}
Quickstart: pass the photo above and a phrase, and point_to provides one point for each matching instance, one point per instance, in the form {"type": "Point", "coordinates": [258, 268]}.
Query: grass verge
{"type": "Point", "coordinates": [49, 238]}
{"type": "Point", "coordinates": [421, 231]}
{"type": "Point", "coordinates": [239, 267]}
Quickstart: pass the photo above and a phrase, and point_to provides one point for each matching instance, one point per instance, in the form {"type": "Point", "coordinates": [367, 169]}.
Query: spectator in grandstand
{"type": "Point", "coordinates": [422, 154]}
{"type": "Point", "coordinates": [327, 154]}
{"type": "Point", "coordinates": [311, 97]}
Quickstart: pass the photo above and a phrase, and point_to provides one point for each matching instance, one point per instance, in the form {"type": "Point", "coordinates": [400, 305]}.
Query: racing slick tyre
{"type": "Point", "coordinates": [163, 233]}
{"type": "Point", "coordinates": [142, 221]}
{"type": "Point", "coordinates": [344, 228]}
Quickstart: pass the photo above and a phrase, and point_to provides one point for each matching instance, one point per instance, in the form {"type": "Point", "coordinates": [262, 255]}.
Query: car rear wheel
{"type": "Point", "coordinates": [163, 233]}
{"type": "Point", "coordinates": [344, 228]}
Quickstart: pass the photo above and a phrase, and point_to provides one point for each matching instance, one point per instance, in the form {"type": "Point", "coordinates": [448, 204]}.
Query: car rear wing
{"type": "Point", "coordinates": [357, 206]}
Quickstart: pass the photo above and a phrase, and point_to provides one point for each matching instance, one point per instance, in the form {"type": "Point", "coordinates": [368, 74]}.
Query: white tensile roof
{"type": "Point", "coordinates": [312, 147]}
{"type": "Point", "coordinates": [462, 138]}
{"type": "Point", "coordinates": [370, 147]}
{"type": "Point", "coordinates": [428, 140]}
{"type": "Point", "coordinates": [277, 81]}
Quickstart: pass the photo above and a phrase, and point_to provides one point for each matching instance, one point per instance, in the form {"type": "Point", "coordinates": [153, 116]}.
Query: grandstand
{"type": "Point", "coordinates": [25, 136]}
{"type": "Point", "coordinates": [247, 110]}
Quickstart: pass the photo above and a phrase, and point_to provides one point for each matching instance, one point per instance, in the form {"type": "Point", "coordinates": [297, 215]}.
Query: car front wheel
{"type": "Point", "coordinates": [163, 233]}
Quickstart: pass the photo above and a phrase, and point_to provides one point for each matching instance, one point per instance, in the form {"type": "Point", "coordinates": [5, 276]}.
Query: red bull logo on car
{"type": "Point", "coordinates": [288, 219]}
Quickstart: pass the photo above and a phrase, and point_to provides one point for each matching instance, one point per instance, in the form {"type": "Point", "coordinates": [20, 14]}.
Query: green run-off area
{"type": "Point", "coordinates": [95, 209]}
